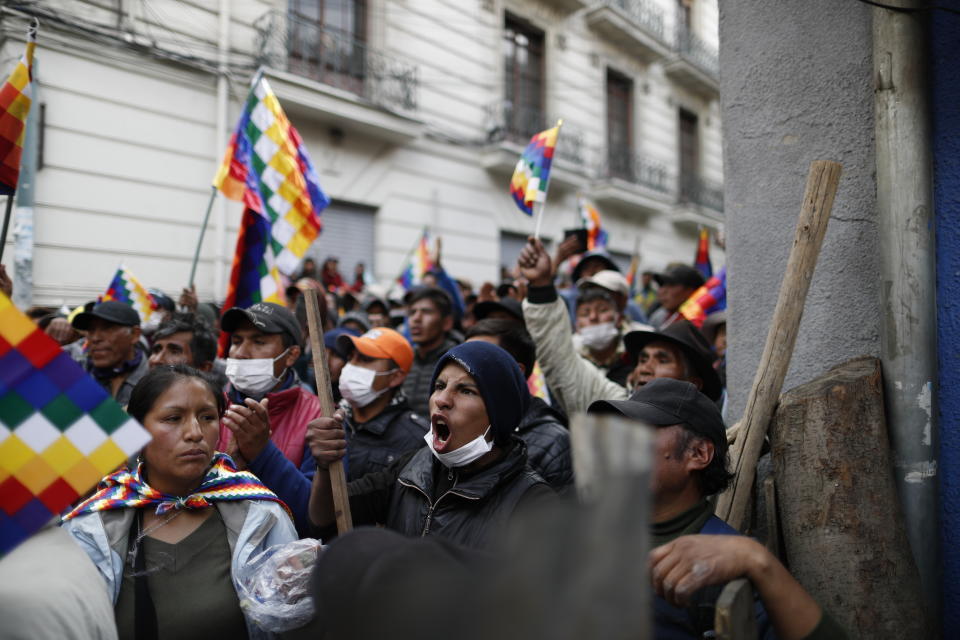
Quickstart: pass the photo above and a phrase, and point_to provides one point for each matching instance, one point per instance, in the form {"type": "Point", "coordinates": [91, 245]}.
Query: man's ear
{"type": "Point", "coordinates": [448, 323]}
{"type": "Point", "coordinates": [699, 454]}
{"type": "Point", "coordinates": [135, 333]}
{"type": "Point", "coordinates": [523, 370]}
{"type": "Point", "coordinates": [696, 381]}
{"type": "Point", "coordinates": [397, 378]}
{"type": "Point", "coordinates": [292, 355]}
{"type": "Point", "coordinates": [206, 366]}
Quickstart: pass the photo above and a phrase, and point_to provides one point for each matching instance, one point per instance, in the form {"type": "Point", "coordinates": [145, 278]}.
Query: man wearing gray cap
{"type": "Point", "coordinates": [695, 552]}
{"type": "Point", "coordinates": [270, 407]}
{"type": "Point", "coordinates": [676, 284]}
{"type": "Point", "coordinates": [114, 356]}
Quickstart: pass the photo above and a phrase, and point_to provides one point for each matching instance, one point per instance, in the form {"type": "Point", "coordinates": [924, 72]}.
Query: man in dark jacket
{"type": "Point", "coordinates": [430, 316]}
{"type": "Point", "coordinates": [380, 426]}
{"type": "Point", "coordinates": [543, 428]}
{"type": "Point", "coordinates": [114, 356]}
{"type": "Point", "coordinates": [470, 480]}
{"type": "Point", "coordinates": [689, 569]}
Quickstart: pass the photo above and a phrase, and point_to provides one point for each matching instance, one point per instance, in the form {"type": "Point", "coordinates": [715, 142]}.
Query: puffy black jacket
{"type": "Point", "coordinates": [544, 430]}
{"type": "Point", "coordinates": [469, 512]}
{"type": "Point", "coordinates": [375, 444]}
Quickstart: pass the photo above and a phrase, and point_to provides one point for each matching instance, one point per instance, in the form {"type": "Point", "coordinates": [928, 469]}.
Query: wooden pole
{"type": "Point", "coordinates": [6, 223]}
{"type": "Point", "coordinates": [338, 480]}
{"type": "Point", "coordinates": [203, 229]}
{"type": "Point", "coordinates": [821, 188]}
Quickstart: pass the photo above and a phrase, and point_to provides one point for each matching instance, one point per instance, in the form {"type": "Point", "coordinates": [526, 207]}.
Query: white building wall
{"type": "Point", "coordinates": [130, 137]}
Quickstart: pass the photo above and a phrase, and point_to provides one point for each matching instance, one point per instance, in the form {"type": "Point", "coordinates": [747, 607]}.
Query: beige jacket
{"type": "Point", "coordinates": [574, 380]}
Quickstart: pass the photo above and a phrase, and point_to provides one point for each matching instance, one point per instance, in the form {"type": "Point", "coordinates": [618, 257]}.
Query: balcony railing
{"type": "Point", "coordinates": [696, 190]}
{"type": "Point", "coordinates": [644, 13]}
{"type": "Point", "coordinates": [336, 58]}
{"type": "Point", "coordinates": [623, 163]}
{"type": "Point", "coordinates": [697, 52]}
{"type": "Point", "coordinates": [505, 122]}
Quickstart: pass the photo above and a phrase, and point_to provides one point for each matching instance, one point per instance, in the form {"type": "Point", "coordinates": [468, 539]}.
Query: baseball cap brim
{"type": "Point", "coordinates": [369, 348]}
{"type": "Point", "coordinates": [484, 309]}
{"type": "Point", "coordinates": [111, 311]}
{"type": "Point", "coordinates": [642, 411]}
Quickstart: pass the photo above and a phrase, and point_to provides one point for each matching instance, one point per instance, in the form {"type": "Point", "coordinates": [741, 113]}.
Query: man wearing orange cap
{"type": "Point", "coordinates": [378, 422]}
{"type": "Point", "coordinates": [379, 425]}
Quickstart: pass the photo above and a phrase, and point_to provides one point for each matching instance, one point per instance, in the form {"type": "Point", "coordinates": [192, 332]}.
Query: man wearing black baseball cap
{"type": "Point", "coordinates": [696, 552]}
{"type": "Point", "coordinates": [114, 354]}
{"type": "Point", "coordinates": [267, 420]}
{"type": "Point", "coordinates": [676, 284]}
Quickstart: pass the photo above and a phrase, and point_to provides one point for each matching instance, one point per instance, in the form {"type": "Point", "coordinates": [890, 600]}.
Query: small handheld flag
{"type": "Point", "coordinates": [596, 234]}
{"type": "Point", "coordinates": [702, 260]}
{"type": "Point", "coordinates": [127, 289]}
{"type": "Point", "coordinates": [14, 107]}
{"type": "Point", "coordinates": [531, 177]}
{"type": "Point", "coordinates": [418, 265]}
{"type": "Point", "coordinates": [710, 297]}
{"type": "Point", "coordinates": [60, 432]}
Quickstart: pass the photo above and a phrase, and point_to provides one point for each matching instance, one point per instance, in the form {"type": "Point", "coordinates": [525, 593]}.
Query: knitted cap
{"type": "Point", "coordinates": [502, 386]}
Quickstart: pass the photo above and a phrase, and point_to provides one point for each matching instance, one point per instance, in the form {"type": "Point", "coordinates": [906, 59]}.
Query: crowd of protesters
{"type": "Point", "coordinates": [452, 419]}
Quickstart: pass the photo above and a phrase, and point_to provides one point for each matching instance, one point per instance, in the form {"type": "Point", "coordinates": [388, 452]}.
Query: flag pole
{"type": "Point", "coordinates": [203, 229]}
{"type": "Point", "coordinates": [536, 228]}
{"type": "Point", "coordinates": [6, 223]}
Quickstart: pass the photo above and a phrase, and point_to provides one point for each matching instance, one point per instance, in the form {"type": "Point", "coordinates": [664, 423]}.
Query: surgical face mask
{"type": "Point", "coordinates": [356, 384]}
{"type": "Point", "coordinates": [464, 455]}
{"type": "Point", "coordinates": [253, 377]}
{"type": "Point", "coordinates": [598, 336]}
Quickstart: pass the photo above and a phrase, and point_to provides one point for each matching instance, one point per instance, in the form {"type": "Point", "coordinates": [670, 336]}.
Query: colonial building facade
{"type": "Point", "coordinates": [414, 112]}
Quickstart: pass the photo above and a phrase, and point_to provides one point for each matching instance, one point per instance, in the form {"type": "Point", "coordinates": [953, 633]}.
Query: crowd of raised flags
{"type": "Point", "coordinates": [60, 432]}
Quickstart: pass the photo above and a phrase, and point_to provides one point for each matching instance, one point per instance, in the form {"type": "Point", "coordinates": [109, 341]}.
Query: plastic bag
{"type": "Point", "coordinates": [275, 585]}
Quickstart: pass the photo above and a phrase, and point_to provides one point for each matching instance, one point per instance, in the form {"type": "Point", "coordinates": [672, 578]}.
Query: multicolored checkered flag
{"type": "Point", "coordinates": [14, 107]}
{"type": "Point", "coordinates": [60, 432]}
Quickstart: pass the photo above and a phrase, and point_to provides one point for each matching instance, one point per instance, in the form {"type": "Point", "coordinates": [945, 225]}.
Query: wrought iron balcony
{"type": "Point", "coordinates": [335, 58]}
{"type": "Point", "coordinates": [507, 123]}
{"type": "Point", "coordinates": [697, 52]}
{"type": "Point", "coordinates": [694, 189]}
{"type": "Point", "coordinates": [623, 163]}
{"type": "Point", "coordinates": [643, 12]}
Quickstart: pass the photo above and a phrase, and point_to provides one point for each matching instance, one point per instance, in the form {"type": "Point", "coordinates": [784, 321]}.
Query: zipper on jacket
{"type": "Point", "coordinates": [433, 505]}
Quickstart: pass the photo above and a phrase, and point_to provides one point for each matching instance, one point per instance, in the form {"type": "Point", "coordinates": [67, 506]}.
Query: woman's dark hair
{"type": "Point", "coordinates": [158, 380]}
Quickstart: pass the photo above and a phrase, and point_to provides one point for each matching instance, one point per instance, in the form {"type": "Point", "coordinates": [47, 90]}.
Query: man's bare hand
{"type": "Point", "coordinates": [188, 298]}
{"type": "Point", "coordinates": [682, 567]}
{"type": "Point", "coordinates": [60, 330]}
{"type": "Point", "coordinates": [250, 425]}
{"type": "Point", "coordinates": [534, 263]}
{"type": "Point", "coordinates": [437, 254]}
{"type": "Point", "coordinates": [327, 439]}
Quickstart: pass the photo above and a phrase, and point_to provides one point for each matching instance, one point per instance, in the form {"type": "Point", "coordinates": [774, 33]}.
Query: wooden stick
{"type": "Point", "coordinates": [338, 480]}
{"type": "Point", "coordinates": [821, 188]}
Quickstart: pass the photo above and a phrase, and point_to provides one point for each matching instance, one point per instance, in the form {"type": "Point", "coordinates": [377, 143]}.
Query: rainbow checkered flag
{"type": "Point", "coordinates": [266, 166]}
{"type": "Point", "coordinates": [127, 289]}
{"type": "Point", "coordinates": [419, 264]}
{"type": "Point", "coordinates": [531, 177]}
{"type": "Point", "coordinates": [60, 432]}
{"type": "Point", "coordinates": [14, 107]}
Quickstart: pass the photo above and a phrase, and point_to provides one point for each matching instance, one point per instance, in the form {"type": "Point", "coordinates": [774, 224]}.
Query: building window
{"type": "Point", "coordinates": [327, 41]}
{"type": "Point", "coordinates": [523, 79]}
{"type": "Point", "coordinates": [620, 125]}
{"type": "Point", "coordinates": [689, 156]}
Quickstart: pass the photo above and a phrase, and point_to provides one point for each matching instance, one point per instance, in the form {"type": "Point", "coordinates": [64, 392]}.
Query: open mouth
{"type": "Point", "coordinates": [441, 433]}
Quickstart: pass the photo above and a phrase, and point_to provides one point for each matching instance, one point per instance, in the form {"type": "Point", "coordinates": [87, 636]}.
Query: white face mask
{"type": "Point", "coordinates": [356, 384]}
{"type": "Point", "coordinates": [598, 336]}
{"type": "Point", "coordinates": [465, 454]}
{"type": "Point", "coordinates": [253, 377]}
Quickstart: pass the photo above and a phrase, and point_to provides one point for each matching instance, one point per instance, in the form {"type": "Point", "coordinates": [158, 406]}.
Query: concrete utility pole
{"type": "Point", "coordinates": [23, 218]}
{"type": "Point", "coordinates": [907, 266]}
